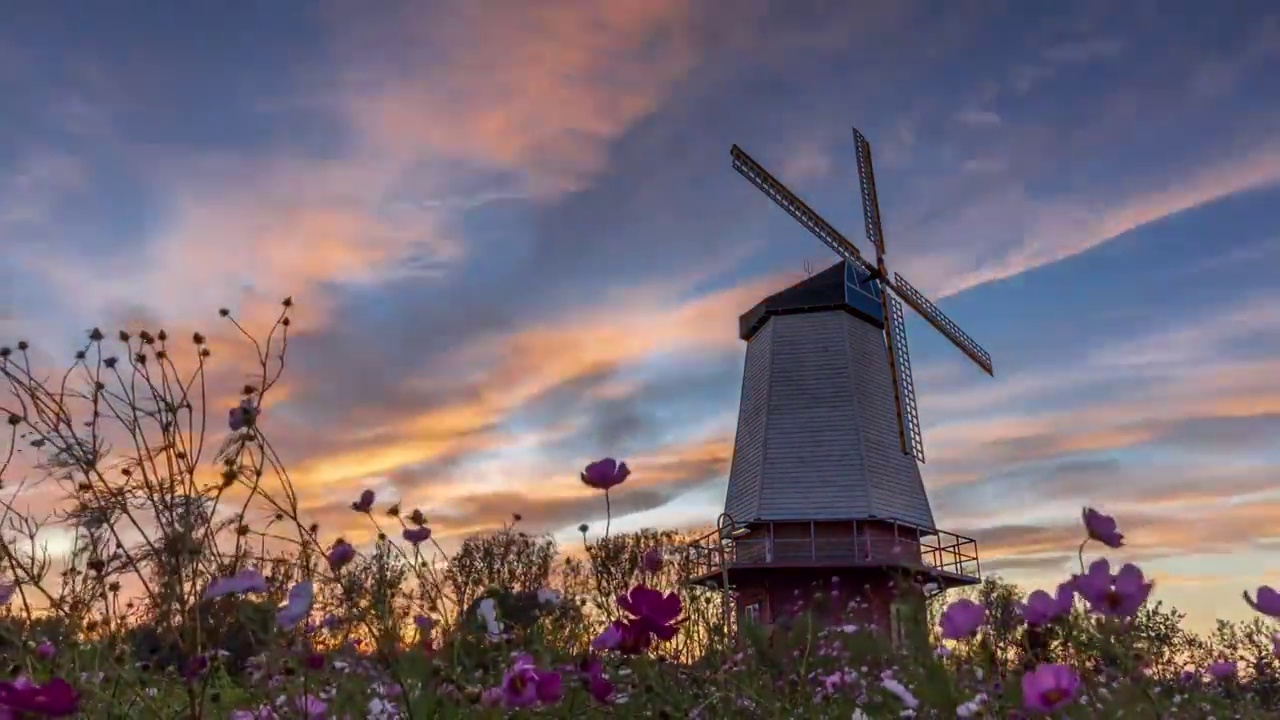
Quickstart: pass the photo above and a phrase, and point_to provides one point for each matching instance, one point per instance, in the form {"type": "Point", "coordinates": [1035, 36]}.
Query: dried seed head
{"type": "Point", "coordinates": [5, 352]}
{"type": "Point", "coordinates": [22, 345]}
{"type": "Point", "coordinates": [146, 337]}
{"type": "Point", "coordinates": [204, 352]}
{"type": "Point", "coordinates": [95, 335]}
{"type": "Point", "coordinates": [287, 302]}
{"type": "Point", "coordinates": [124, 336]}
{"type": "Point", "coordinates": [109, 362]}
{"type": "Point", "coordinates": [162, 335]}
{"type": "Point", "coordinates": [80, 355]}
{"type": "Point", "coordinates": [197, 338]}
{"type": "Point", "coordinates": [285, 322]}
{"type": "Point", "coordinates": [223, 312]}
{"type": "Point", "coordinates": [140, 358]}
{"type": "Point", "coordinates": [15, 420]}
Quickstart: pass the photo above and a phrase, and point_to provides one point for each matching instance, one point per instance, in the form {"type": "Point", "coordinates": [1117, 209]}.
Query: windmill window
{"type": "Point", "coordinates": [899, 620]}
{"type": "Point", "coordinates": [752, 612]}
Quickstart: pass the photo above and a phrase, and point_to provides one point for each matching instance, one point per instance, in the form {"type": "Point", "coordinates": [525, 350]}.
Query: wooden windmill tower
{"type": "Point", "coordinates": [824, 487]}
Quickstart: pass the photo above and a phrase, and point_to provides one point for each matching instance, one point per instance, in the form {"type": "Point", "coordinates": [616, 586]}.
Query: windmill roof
{"type": "Point", "coordinates": [836, 288]}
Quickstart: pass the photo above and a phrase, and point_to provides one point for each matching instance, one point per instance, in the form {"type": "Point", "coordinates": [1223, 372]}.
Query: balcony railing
{"type": "Point", "coordinates": [940, 552]}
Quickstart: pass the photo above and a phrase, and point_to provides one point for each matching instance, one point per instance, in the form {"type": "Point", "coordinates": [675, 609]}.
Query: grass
{"type": "Point", "coordinates": [194, 585]}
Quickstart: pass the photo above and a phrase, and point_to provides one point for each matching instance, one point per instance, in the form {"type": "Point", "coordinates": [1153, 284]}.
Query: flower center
{"type": "Point", "coordinates": [1053, 696]}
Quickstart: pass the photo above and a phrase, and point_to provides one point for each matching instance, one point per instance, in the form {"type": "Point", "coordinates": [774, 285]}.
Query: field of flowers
{"type": "Point", "coordinates": [196, 586]}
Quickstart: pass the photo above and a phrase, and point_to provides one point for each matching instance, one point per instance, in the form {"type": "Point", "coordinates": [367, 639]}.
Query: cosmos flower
{"type": "Point", "coordinates": [1102, 528]}
{"type": "Point", "coordinates": [605, 474]}
{"type": "Point", "coordinates": [55, 698]}
{"type": "Point", "coordinates": [1049, 688]}
{"type": "Point", "coordinates": [1042, 608]}
{"type": "Point", "coordinates": [6, 592]}
{"type": "Point", "coordinates": [524, 684]}
{"type": "Point", "coordinates": [962, 619]}
{"type": "Point", "coordinates": [297, 606]}
{"type": "Point", "coordinates": [1118, 595]}
{"type": "Point", "coordinates": [652, 560]}
{"type": "Point", "coordinates": [45, 650]}
{"type": "Point", "coordinates": [1267, 603]}
{"type": "Point", "coordinates": [245, 581]}
{"type": "Point", "coordinates": [652, 615]}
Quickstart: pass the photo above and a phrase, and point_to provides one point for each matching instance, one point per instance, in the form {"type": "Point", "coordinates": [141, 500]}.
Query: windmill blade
{"type": "Point", "coordinates": [867, 184]}
{"type": "Point", "coordinates": [787, 200]}
{"type": "Point", "coordinates": [900, 364]}
{"type": "Point", "coordinates": [942, 323]}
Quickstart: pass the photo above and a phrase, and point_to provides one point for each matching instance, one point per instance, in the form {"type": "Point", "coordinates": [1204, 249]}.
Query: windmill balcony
{"type": "Point", "coordinates": [945, 558]}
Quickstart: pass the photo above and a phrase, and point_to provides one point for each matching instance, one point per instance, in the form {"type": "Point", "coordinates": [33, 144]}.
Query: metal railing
{"type": "Point", "coordinates": [940, 551]}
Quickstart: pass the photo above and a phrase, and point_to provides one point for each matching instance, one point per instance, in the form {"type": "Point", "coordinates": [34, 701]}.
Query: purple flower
{"type": "Point", "coordinates": [45, 650]}
{"type": "Point", "coordinates": [1268, 602]}
{"type": "Point", "coordinates": [195, 667]}
{"type": "Point", "coordinates": [6, 592]}
{"type": "Point", "coordinates": [611, 637]}
{"type": "Point", "coordinates": [245, 581]}
{"type": "Point", "coordinates": [242, 416]}
{"type": "Point", "coordinates": [55, 698]}
{"type": "Point", "coordinates": [1118, 595]}
{"type": "Point", "coordinates": [524, 684]}
{"type": "Point", "coordinates": [340, 554]}
{"type": "Point", "coordinates": [1049, 688]}
{"type": "Point", "coordinates": [297, 606]}
{"type": "Point", "coordinates": [605, 474]}
{"type": "Point", "coordinates": [417, 535]}
{"type": "Point", "coordinates": [652, 560]}
{"type": "Point", "coordinates": [1102, 528]}
{"type": "Point", "coordinates": [1042, 608]}
{"type": "Point", "coordinates": [365, 503]}
{"type": "Point", "coordinates": [652, 615]}
{"type": "Point", "coordinates": [962, 619]}
{"type": "Point", "coordinates": [311, 707]}
{"type": "Point", "coordinates": [1222, 670]}
{"type": "Point", "coordinates": [591, 671]}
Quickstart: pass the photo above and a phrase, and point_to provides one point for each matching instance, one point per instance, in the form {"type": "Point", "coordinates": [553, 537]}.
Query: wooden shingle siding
{"type": "Point", "coordinates": [748, 450]}
{"type": "Point", "coordinates": [817, 432]}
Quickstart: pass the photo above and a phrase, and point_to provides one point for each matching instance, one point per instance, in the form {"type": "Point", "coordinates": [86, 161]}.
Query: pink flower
{"type": "Point", "coordinates": [1222, 670]}
{"type": "Point", "coordinates": [55, 698]}
{"type": "Point", "coordinates": [605, 474]}
{"type": "Point", "coordinates": [962, 619]}
{"type": "Point", "coordinates": [1118, 595]}
{"type": "Point", "coordinates": [1049, 688]}
{"type": "Point", "coordinates": [1102, 528]}
{"type": "Point", "coordinates": [417, 535]}
{"type": "Point", "coordinates": [245, 581]}
{"type": "Point", "coordinates": [365, 503]}
{"type": "Point", "coordinates": [340, 554]}
{"type": "Point", "coordinates": [1268, 602]}
{"type": "Point", "coordinates": [1042, 608]}
{"type": "Point", "coordinates": [524, 684]}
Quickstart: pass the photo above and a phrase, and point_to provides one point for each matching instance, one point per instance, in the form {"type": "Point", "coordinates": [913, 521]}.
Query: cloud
{"type": "Point", "coordinates": [1083, 51]}
{"type": "Point", "coordinates": [978, 118]}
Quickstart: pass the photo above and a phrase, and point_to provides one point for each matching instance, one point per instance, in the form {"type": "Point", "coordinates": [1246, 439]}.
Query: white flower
{"type": "Point", "coordinates": [488, 611]}
{"type": "Point", "coordinates": [901, 691]}
{"type": "Point", "coordinates": [549, 596]}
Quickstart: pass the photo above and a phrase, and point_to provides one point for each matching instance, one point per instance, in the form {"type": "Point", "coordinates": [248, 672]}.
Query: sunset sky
{"type": "Point", "coordinates": [517, 245]}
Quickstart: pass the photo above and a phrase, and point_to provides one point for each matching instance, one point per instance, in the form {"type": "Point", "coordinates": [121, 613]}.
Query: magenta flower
{"type": "Point", "coordinates": [242, 416]}
{"type": "Point", "coordinates": [611, 637]}
{"type": "Point", "coordinates": [591, 671]}
{"type": "Point", "coordinates": [653, 615]}
{"type": "Point", "coordinates": [55, 698]}
{"type": "Point", "coordinates": [1042, 608]}
{"type": "Point", "coordinates": [311, 707]}
{"type": "Point", "coordinates": [365, 503]}
{"type": "Point", "coordinates": [1118, 595]}
{"type": "Point", "coordinates": [45, 650]}
{"type": "Point", "coordinates": [297, 606]}
{"type": "Point", "coordinates": [1268, 602]}
{"type": "Point", "coordinates": [417, 535]}
{"type": "Point", "coordinates": [340, 554]}
{"type": "Point", "coordinates": [1102, 528]}
{"type": "Point", "coordinates": [245, 581]}
{"type": "Point", "coordinates": [962, 619]}
{"type": "Point", "coordinates": [652, 560]}
{"type": "Point", "coordinates": [605, 474]}
{"type": "Point", "coordinates": [1222, 670]}
{"type": "Point", "coordinates": [1049, 688]}
{"type": "Point", "coordinates": [524, 684]}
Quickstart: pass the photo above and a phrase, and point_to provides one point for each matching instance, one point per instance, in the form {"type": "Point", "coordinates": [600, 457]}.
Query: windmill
{"type": "Point", "coordinates": [824, 482]}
